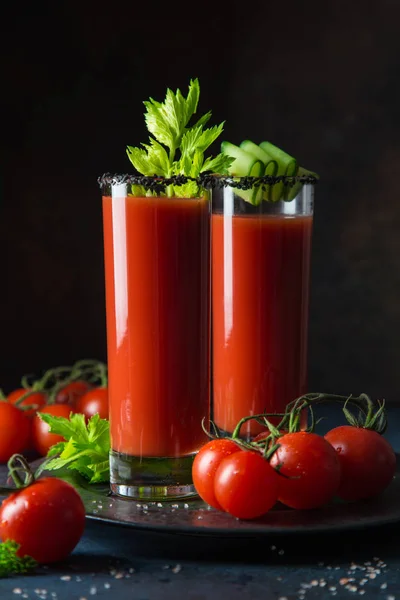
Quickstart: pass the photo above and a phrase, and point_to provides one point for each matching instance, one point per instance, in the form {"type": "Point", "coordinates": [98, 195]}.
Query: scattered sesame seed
{"type": "Point", "coordinates": [165, 567]}
{"type": "Point", "coordinates": [17, 591]}
{"type": "Point", "coordinates": [199, 518]}
{"type": "Point", "coordinates": [314, 582]}
{"type": "Point", "coordinates": [78, 578]}
{"type": "Point", "coordinates": [361, 592]}
{"type": "Point", "coordinates": [176, 569]}
{"type": "Point", "coordinates": [175, 505]}
{"type": "Point", "coordinates": [93, 590]}
{"type": "Point", "coordinates": [390, 598]}
{"type": "Point", "coordinates": [343, 580]}
{"type": "Point", "coordinates": [281, 552]}
{"type": "Point", "coordinates": [273, 547]}
{"type": "Point", "coordinates": [322, 583]}
{"type": "Point", "coordinates": [65, 578]}
{"type": "Point", "coordinates": [332, 588]}
{"type": "Point", "coordinates": [107, 585]}
{"type": "Point", "coordinates": [159, 504]}
{"type": "Point", "coordinates": [118, 575]}
{"type": "Point", "coordinates": [131, 570]}
{"type": "Point", "coordinates": [351, 588]}
{"type": "Point", "coordinates": [283, 598]}
{"type": "Point", "coordinates": [372, 575]}
{"type": "Point", "coordinates": [383, 586]}
{"type": "Point", "coordinates": [186, 506]}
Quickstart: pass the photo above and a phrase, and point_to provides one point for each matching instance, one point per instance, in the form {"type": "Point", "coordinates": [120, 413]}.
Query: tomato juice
{"type": "Point", "coordinates": [260, 288]}
{"type": "Point", "coordinates": [157, 275]}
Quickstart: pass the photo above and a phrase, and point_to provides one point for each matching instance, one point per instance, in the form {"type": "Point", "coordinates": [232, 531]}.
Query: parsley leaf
{"type": "Point", "coordinates": [168, 124]}
{"type": "Point", "coordinates": [86, 447]}
{"type": "Point", "coordinates": [11, 563]}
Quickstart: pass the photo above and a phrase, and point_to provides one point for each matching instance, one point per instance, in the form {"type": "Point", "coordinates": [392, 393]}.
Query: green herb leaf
{"type": "Point", "coordinates": [168, 123]}
{"type": "Point", "coordinates": [86, 447]}
{"type": "Point", "coordinates": [11, 563]}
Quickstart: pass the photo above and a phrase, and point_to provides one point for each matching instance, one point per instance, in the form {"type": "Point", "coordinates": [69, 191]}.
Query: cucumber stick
{"type": "Point", "coordinates": [244, 165]}
{"type": "Point", "coordinates": [287, 165]}
{"type": "Point", "coordinates": [295, 189]}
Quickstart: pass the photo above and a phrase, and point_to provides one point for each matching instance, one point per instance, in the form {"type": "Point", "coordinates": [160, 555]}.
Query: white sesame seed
{"type": "Point", "coordinates": [65, 578]}
{"type": "Point", "coordinates": [314, 582]}
{"type": "Point", "coordinates": [17, 591]}
{"type": "Point", "coordinates": [176, 569]}
{"type": "Point", "coordinates": [383, 586]}
{"type": "Point", "coordinates": [390, 598]}
{"type": "Point", "coordinates": [107, 585]}
{"type": "Point", "coordinates": [131, 570]}
{"type": "Point", "coordinates": [281, 552]}
{"type": "Point", "coordinates": [361, 592]}
{"type": "Point", "coordinates": [93, 590]}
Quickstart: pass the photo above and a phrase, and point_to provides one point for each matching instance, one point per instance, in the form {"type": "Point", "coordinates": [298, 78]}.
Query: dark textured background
{"type": "Point", "coordinates": [320, 79]}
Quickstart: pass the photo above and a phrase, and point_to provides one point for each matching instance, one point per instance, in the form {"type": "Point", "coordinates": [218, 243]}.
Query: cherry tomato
{"type": "Point", "coordinates": [42, 439]}
{"type": "Point", "coordinates": [245, 485]}
{"type": "Point", "coordinates": [94, 402]}
{"type": "Point", "coordinates": [35, 399]}
{"type": "Point", "coordinates": [71, 393]}
{"type": "Point", "coordinates": [206, 463]}
{"type": "Point", "coordinates": [367, 460]}
{"type": "Point", "coordinates": [46, 519]}
{"type": "Point", "coordinates": [15, 431]}
{"type": "Point", "coordinates": [310, 471]}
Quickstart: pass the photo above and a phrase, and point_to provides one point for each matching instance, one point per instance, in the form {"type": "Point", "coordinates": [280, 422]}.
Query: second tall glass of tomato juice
{"type": "Point", "coordinates": [157, 279]}
{"type": "Point", "coordinates": [261, 245]}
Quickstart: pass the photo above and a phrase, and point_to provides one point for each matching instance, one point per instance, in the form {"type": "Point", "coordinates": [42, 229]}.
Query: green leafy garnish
{"type": "Point", "coordinates": [175, 147]}
{"type": "Point", "coordinates": [86, 447]}
{"type": "Point", "coordinates": [11, 563]}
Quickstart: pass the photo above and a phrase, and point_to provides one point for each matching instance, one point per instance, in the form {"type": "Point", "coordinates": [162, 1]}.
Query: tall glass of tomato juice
{"type": "Point", "coordinates": [157, 280]}
{"type": "Point", "coordinates": [260, 291]}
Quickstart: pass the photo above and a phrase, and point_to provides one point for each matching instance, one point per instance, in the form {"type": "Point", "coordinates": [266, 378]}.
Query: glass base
{"type": "Point", "coordinates": [151, 478]}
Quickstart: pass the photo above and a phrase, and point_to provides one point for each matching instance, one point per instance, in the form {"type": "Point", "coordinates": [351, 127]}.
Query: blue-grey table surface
{"type": "Point", "coordinates": [123, 563]}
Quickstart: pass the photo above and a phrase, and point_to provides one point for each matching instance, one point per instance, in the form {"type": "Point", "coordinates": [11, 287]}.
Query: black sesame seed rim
{"type": "Point", "coordinates": [206, 180]}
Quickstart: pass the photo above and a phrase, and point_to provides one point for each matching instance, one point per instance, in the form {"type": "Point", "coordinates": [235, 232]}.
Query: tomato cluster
{"type": "Point", "coordinates": [300, 469]}
{"type": "Point", "coordinates": [81, 388]}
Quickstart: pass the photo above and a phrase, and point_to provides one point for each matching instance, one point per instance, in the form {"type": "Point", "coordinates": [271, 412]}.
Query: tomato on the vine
{"type": "Point", "coordinates": [205, 465]}
{"type": "Point", "coordinates": [367, 460]}
{"type": "Point", "coordinates": [41, 437]}
{"type": "Point", "coordinates": [309, 470]}
{"type": "Point", "coordinates": [35, 399]}
{"type": "Point", "coordinates": [15, 431]}
{"type": "Point", "coordinates": [245, 485]}
{"type": "Point", "coordinates": [71, 392]}
{"type": "Point", "coordinates": [46, 519]}
{"type": "Point", "coordinates": [94, 402]}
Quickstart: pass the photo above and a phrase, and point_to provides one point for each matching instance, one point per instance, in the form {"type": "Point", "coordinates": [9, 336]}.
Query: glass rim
{"type": "Point", "coordinates": [205, 180]}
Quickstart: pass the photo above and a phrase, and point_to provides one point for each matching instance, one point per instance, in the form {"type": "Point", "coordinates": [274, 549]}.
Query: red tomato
{"type": "Point", "coordinates": [15, 431]}
{"type": "Point", "coordinates": [71, 393]}
{"type": "Point", "coordinates": [94, 402]}
{"type": "Point", "coordinates": [311, 470]}
{"type": "Point", "coordinates": [35, 399]}
{"type": "Point", "coordinates": [245, 485]}
{"type": "Point", "coordinates": [46, 519]}
{"type": "Point", "coordinates": [206, 463]}
{"type": "Point", "coordinates": [367, 460]}
{"type": "Point", "coordinates": [42, 439]}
